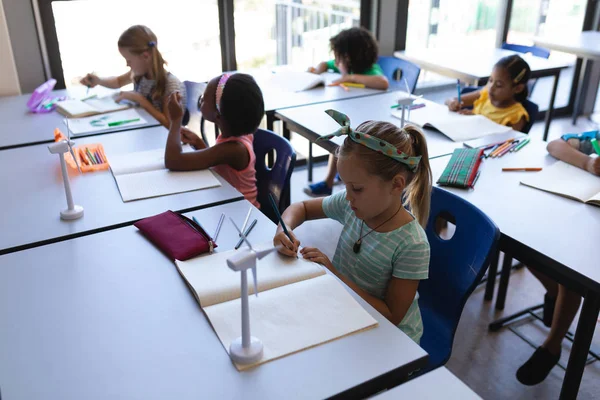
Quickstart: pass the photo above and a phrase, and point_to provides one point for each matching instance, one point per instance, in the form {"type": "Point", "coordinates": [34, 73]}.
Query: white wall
{"type": "Point", "coordinates": [9, 80]}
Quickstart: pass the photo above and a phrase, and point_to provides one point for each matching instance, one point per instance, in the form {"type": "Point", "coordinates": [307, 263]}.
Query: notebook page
{"type": "Point", "coordinates": [75, 108]}
{"type": "Point", "coordinates": [456, 126]}
{"type": "Point", "coordinates": [295, 81]}
{"type": "Point", "coordinates": [106, 104]}
{"type": "Point", "coordinates": [141, 161]}
{"type": "Point", "coordinates": [214, 282]}
{"type": "Point", "coordinates": [292, 318]}
{"type": "Point", "coordinates": [565, 180]}
{"type": "Point", "coordinates": [163, 182]}
{"type": "Point", "coordinates": [98, 123]}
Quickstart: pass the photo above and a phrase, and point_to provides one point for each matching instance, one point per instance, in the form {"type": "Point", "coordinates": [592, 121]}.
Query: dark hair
{"type": "Point", "coordinates": [242, 105]}
{"type": "Point", "coordinates": [409, 140]}
{"type": "Point", "coordinates": [519, 73]}
{"type": "Point", "coordinates": [358, 47]}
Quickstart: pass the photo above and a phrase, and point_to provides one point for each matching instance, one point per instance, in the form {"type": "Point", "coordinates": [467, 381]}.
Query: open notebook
{"type": "Point", "coordinates": [295, 81]}
{"type": "Point", "coordinates": [568, 181]}
{"type": "Point", "coordinates": [143, 174]}
{"type": "Point", "coordinates": [299, 306]}
{"type": "Point", "coordinates": [457, 127]}
{"type": "Point", "coordinates": [76, 108]}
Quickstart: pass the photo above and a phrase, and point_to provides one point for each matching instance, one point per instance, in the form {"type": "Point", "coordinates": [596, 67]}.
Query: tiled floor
{"type": "Point", "coordinates": [485, 361]}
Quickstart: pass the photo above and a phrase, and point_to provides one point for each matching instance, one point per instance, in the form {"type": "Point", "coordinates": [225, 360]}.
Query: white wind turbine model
{"type": "Point", "coordinates": [73, 211]}
{"type": "Point", "coordinates": [405, 103]}
{"type": "Point", "coordinates": [246, 349]}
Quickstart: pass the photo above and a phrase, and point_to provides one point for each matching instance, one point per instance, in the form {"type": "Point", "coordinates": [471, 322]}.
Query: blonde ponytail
{"type": "Point", "coordinates": [418, 191]}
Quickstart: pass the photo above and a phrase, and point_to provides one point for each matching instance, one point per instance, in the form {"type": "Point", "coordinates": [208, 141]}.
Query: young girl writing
{"type": "Point", "coordinates": [501, 99]}
{"type": "Point", "coordinates": [383, 251]}
{"type": "Point", "coordinates": [355, 53]}
{"type": "Point", "coordinates": [152, 84]}
{"type": "Point", "coordinates": [560, 303]}
{"type": "Point", "coordinates": [235, 104]}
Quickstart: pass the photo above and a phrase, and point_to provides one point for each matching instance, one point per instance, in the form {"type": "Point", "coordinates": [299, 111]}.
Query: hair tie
{"type": "Point", "coordinates": [373, 143]}
{"type": "Point", "coordinates": [151, 43]}
{"type": "Point", "coordinates": [220, 89]}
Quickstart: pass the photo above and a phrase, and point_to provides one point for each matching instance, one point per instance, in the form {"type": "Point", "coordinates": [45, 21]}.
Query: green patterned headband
{"type": "Point", "coordinates": [373, 143]}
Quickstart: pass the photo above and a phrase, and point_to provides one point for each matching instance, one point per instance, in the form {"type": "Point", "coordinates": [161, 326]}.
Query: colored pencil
{"type": "Point", "coordinates": [521, 169]}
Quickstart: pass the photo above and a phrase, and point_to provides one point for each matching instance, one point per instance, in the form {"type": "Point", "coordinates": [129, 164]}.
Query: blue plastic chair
{"type": "Point", "coordinates": [276, 179]}
{"type": "Point", "coordinates": [396, 70]}
{"type": "Point", "coordinates": [535, 50]}
{"type": "Point", "coordinates": [456, 266]}
{"type": "Point", "coordinates": [531, 108]}
{"type": "Point", "coordinates": [193, 91]}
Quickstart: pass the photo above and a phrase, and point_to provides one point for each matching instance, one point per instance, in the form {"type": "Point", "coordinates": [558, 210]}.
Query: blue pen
{"type": "Point", "coordinates": [458, 92]}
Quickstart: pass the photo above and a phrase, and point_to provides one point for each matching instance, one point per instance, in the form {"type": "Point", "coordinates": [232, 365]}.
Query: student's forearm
{"type": "Point", "coordinates": [293, 216]}
{"type": "Point", "coordinates": [322, 67]}
{"type": "Point", "coordinates": [563, 151]}
{"type": "Point", "coordinates": [371, 81]}
{"type": "Point", "coordinates": [376, 303]}
{"type": "Point", "coordinates": [173, 148]}
{"type": "Point", "coordinates": [149, 108]}
{"type": "Point", "coordinates": [111, 82]}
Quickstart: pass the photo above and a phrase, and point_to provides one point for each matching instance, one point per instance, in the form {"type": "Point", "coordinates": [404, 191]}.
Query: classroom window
{"type": "Point", "coordinates": [293, 32]}
{"type": "Point", "coordinates": [187, 32]}
{"type": "Point", "coordinates": [444, 24]}
{"type": "Point", "coordinates": [531, 18]}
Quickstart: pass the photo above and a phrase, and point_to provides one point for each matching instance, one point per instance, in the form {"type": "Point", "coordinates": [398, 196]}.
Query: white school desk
{"type": "Point", "coordinates": [474, 66]}
{"type": "Point", "coordinates": [20, 127]}
{"type": "Point", "coordinates": [585, 45]}
{"type": "Point", "coordinates": [312, 122]}
{"type": "Point", "coordinates": [275, 98]}
{"type": "Point", "coordinates": [33, 193]}
{"type": "Point", "coordinates": [107, 316]}
{"type": "Point", "coordinates": [551, 233]}
{"type": "Point", "coordinates": [435, 385]}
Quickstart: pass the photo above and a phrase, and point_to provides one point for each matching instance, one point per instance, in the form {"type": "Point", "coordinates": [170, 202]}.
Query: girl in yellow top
{"type": "Point", "coordinates": [501, 99]}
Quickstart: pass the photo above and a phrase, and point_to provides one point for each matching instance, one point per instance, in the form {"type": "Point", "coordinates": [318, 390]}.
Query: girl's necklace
{"type": "Point", "coordinates": [358, 243]}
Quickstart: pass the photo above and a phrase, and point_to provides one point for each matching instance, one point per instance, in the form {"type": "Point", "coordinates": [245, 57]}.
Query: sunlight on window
{"type": "Point", "coordinates": [187, 32]}
{"type": "Point", "coordinates": [278, 32]}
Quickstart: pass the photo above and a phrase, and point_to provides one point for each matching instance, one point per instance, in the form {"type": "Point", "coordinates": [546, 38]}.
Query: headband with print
{"type": "Point", "coordinates": [373, 143]}
{"type": "Point", "coordinates": [220, 89]}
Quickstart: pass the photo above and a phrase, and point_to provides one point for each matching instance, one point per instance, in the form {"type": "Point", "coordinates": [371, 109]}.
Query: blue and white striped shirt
{"type": "Point", "coordinates": [402, 253]}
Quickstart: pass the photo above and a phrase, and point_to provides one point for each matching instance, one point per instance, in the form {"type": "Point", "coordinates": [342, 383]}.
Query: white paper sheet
{"type": "Point", "coordinates": [457, 127]}
{"type": "Point", "coordinates": [97, 123]}
{"type": "Point", "coordinates": [565, 180]}
{"type": "Point", "coordinates": [214, 282]}
{"type": "Point", "coordinates": [292, 318]}
{"type": "Point", "coordinates": [295, 81]}
{"type": "Point", "coordinates": [141, 161]}
{"type": "Point", "coordinates": [163, 182]}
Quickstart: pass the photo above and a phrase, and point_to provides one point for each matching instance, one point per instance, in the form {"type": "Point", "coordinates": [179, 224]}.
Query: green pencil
{"type": "Point", "coordinates": [522, 144]}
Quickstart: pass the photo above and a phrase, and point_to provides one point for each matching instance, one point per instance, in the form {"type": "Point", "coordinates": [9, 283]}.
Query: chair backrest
{"type": "Point", "coordinates": [456, 267]}
{"type": "Point", "coordinates": [531, 108]}
{"type": "Point", "coordinates": [396, 70]}
{"type": "Point", "coordinates": [275, 180]}
{"type": "Point", "coordinates": [535, 50]}
{"type": "Point", "coordinates": [193, 91]}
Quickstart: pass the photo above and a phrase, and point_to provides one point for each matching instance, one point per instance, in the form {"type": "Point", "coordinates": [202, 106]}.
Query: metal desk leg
{"type": "Point", "coordinates": [551, 106]}
{"type": "Point", "coordinates": [581, 346]}
{"type": "Point", "coordinates": [580, 90]}
{"type": "Point", "coordinates": [309, 163]}
{"type": "Point", "coordinates": [491, 280]}
{"type": "Point", "coordinates": [504, 277]}
{"type": "Point", "coordinates": [271, 121]}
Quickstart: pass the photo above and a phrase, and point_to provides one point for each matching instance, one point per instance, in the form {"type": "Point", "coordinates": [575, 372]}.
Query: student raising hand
{"type": "Point", "coordinates": [174, 107]}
